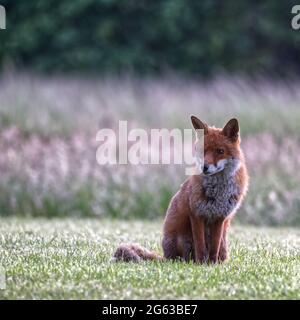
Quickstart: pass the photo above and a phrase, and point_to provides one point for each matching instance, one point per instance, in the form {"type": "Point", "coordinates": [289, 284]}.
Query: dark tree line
{"type": "Point", "coordinates": [200, 37]}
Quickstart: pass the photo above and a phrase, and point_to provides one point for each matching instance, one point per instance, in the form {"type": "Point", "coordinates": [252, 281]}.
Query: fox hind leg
{"type": "Point", "coordinates": [185, 247]}
{"type": "Point", "coordinates": [169, 245]}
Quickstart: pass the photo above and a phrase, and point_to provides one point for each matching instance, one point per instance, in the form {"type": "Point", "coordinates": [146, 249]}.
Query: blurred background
{"type": "Point", "coordinates": [70, 68]}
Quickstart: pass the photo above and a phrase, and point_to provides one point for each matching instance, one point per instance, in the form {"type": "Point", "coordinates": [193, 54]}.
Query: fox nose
{"type": "Point", "coordinates": [205, 168]}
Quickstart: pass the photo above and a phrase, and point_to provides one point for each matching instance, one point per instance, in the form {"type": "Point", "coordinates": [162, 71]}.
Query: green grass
{"type": "Point", "coordinates": [65, 258]}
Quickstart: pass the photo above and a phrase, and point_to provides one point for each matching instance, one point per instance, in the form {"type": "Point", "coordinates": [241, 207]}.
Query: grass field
{"type": "Point", "coordinates": [71, 258]}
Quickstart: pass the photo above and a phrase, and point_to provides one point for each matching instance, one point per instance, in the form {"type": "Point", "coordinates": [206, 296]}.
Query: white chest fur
{"type": "Point", "coordinates": [222, 196]}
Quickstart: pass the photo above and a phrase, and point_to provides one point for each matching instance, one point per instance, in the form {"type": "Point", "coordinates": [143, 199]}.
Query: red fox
{"type": "Point", "coordinates": [199, 214]}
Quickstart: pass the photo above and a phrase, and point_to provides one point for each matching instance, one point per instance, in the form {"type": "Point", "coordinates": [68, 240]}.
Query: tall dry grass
{"type": "Point", "coordinates": [48, 148]}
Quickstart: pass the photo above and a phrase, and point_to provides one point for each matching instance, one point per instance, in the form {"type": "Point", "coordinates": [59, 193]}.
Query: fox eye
{"type": "Point", "coordinates": [220, 151]}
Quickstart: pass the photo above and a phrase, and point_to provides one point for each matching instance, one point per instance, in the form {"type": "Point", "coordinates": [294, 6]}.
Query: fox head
{"type": "Point", "coordinates": [222, 151]}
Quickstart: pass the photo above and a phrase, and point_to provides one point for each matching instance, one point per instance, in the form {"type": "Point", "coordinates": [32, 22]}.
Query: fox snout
{"type": "Point", "coordinates": [205, 168]}
{"type": "Point", "coordinates": [209, 169]}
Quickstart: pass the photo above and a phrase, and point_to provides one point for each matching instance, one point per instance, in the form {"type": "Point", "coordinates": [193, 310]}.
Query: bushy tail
{"type": "Point", "coordinates": [134, 252]}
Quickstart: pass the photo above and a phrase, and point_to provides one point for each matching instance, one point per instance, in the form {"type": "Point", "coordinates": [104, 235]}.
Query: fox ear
{"type": "Point", "coordinates": [232, 130]}
{"type": "Point", "coordinates": [198, 124]}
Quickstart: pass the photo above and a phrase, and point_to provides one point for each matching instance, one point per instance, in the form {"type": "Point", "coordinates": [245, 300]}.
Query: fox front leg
{"type": "Point", "coordinates": [223, 252]}
{"type": "Point", "coordinates": [216, 232]}
{"type": "Point", "coordinates": [198, 231]}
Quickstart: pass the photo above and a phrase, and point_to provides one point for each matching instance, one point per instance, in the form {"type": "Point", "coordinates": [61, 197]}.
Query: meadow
{"type": "Point", "coordinates": [72, 259]}
{"type": "Point", "coordinates": [62, 214]}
